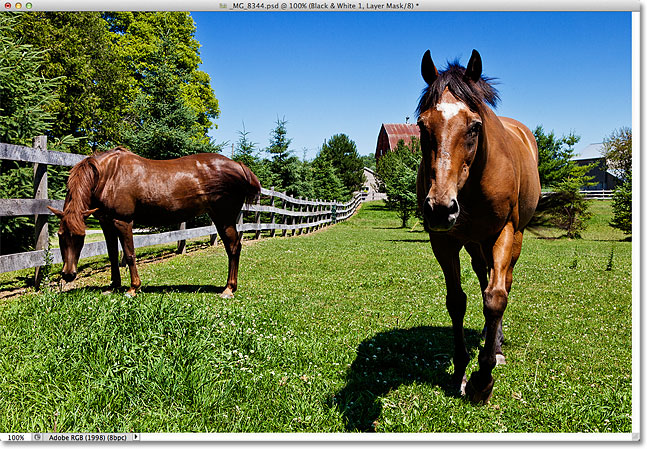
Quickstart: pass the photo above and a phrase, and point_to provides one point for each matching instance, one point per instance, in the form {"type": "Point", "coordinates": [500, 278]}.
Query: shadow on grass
{"type": "Point", "coordinates": [409, 240]}
{"type": "Point", "coordinates": [391, 359]}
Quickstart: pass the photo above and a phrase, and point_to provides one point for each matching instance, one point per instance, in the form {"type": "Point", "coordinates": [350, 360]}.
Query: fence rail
{"type": "Point", "coordinates": [600, 194]}
{"type": "Point", "coordinates": [291, 216]}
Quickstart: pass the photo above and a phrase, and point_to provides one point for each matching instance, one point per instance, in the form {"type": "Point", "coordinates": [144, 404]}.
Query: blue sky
{"type": "Point", "coordinates": [339, 72]}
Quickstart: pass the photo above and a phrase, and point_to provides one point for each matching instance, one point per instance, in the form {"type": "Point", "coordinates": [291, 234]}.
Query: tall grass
{"type": "Point", "coordinates": [341, 330]}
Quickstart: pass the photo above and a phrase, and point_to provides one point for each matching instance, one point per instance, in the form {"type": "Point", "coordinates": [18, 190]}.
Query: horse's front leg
{"type": "Point", "coordinates": [111, 235]}
{"type": "Point", "coordinates": [495, 300]}
{"type": "Point", "coordinates": [447, 251]}
{"type": "Point", "coordinates": [125, 231]}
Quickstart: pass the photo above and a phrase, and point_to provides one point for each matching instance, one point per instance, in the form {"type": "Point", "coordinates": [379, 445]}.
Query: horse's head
{"type": "Point", "coordinates": [71, 237]}
{"type": "Point", "coordinates": [450, 130]}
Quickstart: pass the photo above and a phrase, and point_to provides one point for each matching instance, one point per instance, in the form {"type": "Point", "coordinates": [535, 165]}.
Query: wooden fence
{"type": "Point", "coordinates": [592, 194]}
{"type": "Point", "coordinates": [275, 212]}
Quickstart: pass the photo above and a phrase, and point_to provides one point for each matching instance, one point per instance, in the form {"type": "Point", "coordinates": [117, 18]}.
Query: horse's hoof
{"type": "Point", "coordinates": [130, 294]}
{"type": "Point", "coordinates": [227, 294]}
{"type": "Point", "coordinates": [500, 360]}
{"type": "Point", "coordinates": [477, 394]}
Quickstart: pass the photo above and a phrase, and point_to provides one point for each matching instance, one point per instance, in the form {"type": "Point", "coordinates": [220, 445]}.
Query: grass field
{"type": "Point", "coordinates": [341, 330]}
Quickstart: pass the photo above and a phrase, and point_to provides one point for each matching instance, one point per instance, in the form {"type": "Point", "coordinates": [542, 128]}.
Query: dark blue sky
{"type": "Point", "coordinates": [339, 72]}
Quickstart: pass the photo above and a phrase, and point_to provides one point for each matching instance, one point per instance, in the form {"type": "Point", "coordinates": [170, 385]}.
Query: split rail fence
{"type": "Point", "coordinates": [275, 212]}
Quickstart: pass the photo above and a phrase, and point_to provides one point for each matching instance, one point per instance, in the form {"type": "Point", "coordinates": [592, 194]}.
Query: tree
{"type": "Point", "coordinates": [398, 171]}
{"type": "Point", "coordinates": [95, 90]}
{"type": "Point", "coordinates": [137, 36]}
{"type": "Point", "coordinates": [245, 150]}
{"type": "Point", "coordinates": [341, 151]}
{"type": "Point", "coordinates": [616, 149]}
{"type": "Point", "coordinates": [566, 207]}
{"type": "Point", "coordinates": [25, 96]}
{"type": "Point", "coordinates": [555, 156]}
{"type": "Point", "coordinates": [161, 124]}
{"type": "Point", "coordinates": [621, 205]}
{"type": "Point", "coordinates": [327, 185]}
{"type": "Point", "coordinates": [369, 161]}
{"type": "Point", "coordinates": [284, 166]}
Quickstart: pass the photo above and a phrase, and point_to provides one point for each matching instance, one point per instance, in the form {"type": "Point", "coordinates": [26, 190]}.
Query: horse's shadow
{"type": "Point", "coordinates": [391, 359]}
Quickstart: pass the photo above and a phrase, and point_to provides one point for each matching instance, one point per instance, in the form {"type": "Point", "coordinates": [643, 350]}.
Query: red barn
{"type": "Point", "coordinates": [391, 133]}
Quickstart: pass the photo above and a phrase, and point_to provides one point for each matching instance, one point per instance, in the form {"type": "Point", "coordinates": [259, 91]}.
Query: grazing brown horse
{"type": "Point", "coordinates": [478, 187]}
{"type": "Point", "coordinates": [121, 188]}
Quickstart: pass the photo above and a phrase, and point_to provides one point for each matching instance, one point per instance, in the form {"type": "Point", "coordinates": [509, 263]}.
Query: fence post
{"type": "Point", "coordinates": [300, 217]}
{"type": "Point", "coordinates": [238, 223]}
{"type": "Point", "coordinates": [181, 244]}
{"type": "Point", "coordinates": [272, 215]}
{"type": "Point", "coordinates": [257, 219]}
{"type": "Point", "coordinates": [41, 230]}
{"type": "Point", "coordinates": [213, 238]}
{"type": "Point", "coordinates": [285, 219]}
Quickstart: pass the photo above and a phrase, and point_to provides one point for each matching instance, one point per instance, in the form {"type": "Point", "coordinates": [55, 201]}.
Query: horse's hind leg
{"type": "Point", "coordinates": [447, 251]}
{"type": "Point", "coordinates": [231, 241]}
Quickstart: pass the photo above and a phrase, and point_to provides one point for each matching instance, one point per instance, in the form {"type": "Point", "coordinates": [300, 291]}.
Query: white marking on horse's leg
{"type": "Point", "coordinates": [500, 360]}
{"type": "Point", "coordinates": [463, 384]}
{"type": "Point", "coordinates": [449, 110]}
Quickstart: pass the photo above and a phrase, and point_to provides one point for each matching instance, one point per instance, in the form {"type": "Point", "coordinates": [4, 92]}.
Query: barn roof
{"type": "Point", "coordinates": [591, 151]}
{"type": "Point", "coordinates": [397, 131]}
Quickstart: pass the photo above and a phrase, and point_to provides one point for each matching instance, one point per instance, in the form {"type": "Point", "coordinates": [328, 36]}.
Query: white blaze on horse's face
{"type": "Point", "coordinates": [449, 135]}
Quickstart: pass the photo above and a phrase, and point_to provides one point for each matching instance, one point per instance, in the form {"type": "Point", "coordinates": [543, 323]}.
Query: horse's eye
{"type": "Point", "coordinates": [474, 129]}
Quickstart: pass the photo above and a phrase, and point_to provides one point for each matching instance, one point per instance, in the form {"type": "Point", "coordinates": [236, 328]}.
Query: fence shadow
{"type": "Point", "coordinates": [391, 359]}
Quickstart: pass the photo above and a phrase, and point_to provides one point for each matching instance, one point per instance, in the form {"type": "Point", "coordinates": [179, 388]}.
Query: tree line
{"type": "Point", "coordinates": [564, 208]}
{"type": "Point", "coordinates": [90, 81]}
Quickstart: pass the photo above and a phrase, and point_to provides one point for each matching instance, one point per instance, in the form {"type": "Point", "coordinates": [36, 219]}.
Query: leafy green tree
{"type": "Point", "coordinates": [95, 90]}
{"type": "Point", "coordinates": [555, 156]}
{"type": "Point", "coordinates": [283, 166]}
{"type": "Point", "coordinates": [621, 205]}
{"type": "Point", "coordinates": [25, 96]}
{"type": "Point", "coordinates": [327, 185]}
{"type": "Point", "coordinates": [617, 151]}
{"type": "Point", "coordinates": [369, 161]}
{"type": "Point", "coordinates": [139, 35]}
{"type": "Point", "coordinates": [245, 150]}
{"type": "Point", "coordinates": [566, 207]}
{"type": "Point", "coordinates": [341, 151]}
{"type": "Point", "coordinates": [398, 171]}
{"type": "Point", "coordinates": [162, 125]}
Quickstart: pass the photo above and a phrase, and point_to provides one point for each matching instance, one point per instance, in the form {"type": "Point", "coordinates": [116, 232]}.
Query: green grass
{"type": "Point", "coordinates": [341, 330]}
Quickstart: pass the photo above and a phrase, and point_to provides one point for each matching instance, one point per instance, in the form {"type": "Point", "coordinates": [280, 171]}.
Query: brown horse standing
{"type": "Point", "coordinates": [478, 187]}
{"type": "Point", "coordinates": [121, 188]}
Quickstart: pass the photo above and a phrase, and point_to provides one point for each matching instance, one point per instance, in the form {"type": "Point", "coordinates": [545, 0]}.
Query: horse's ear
{"type": "Point", "coordinates": [89, 212]}
{"type": "Point", "coordinates": [57, 212]}
{"type": "Point", "coordinates": [429, 71]}
{"type": "Point", "coordinates": [474, 67]}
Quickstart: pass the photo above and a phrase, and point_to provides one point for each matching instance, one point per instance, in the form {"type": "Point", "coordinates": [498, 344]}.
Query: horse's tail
{"type": "Point", "coordinates": [253, 188]}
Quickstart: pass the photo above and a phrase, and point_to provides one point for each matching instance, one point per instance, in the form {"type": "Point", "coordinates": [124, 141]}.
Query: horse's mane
{"type": "Point", "coordinates": [80, 185]}
{"type": "Point", "coordinates": [473, 94]}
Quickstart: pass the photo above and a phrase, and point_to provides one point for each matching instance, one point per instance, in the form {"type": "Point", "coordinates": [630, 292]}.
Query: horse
{"type": "Point", "coordinates": [120, 188]}
{"type": "Point", "coordinates": [477, 187]}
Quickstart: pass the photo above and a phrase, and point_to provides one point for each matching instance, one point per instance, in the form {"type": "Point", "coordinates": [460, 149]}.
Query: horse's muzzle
{"type": "Point", "coordinates": [69, 276]}
{"type": "Point", "coordinates": [440, 217]}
